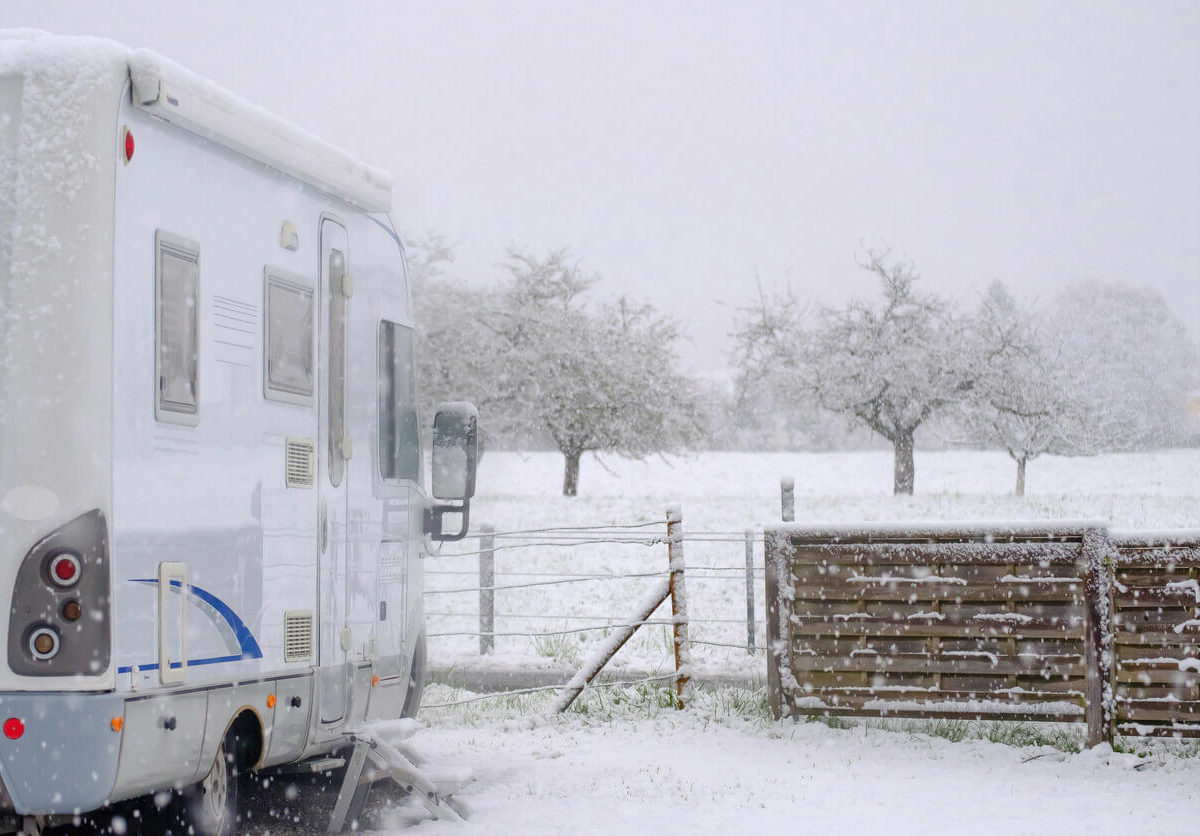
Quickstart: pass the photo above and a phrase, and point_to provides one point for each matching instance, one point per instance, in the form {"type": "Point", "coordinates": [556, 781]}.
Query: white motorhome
{"type": "Point", "coordinates": [211, 504]}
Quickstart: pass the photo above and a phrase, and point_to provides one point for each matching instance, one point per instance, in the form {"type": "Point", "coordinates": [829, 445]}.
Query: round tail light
{"type": "Point", "coordinates": [65, 569]}
{"type": "Point", "coordinates": [43, 643]}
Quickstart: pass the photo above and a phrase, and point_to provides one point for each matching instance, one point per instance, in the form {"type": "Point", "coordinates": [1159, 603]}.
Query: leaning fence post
{"type": "Point", "coordinates": [787, 498]}
{"type": "Point", "coordinates": [1097, 636]}
{"type": "Point", "coordinates": [749, 590]}
{"type": "Point", "coordinates": [487, 590]}
{"type": "Point", "coordinates": [776, 553]}
{"type": "Point", "coordinates": [683, 654]}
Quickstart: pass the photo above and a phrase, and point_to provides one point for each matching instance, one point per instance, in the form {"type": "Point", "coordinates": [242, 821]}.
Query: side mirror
{"type": "Point", "coordinates": [453, 463]}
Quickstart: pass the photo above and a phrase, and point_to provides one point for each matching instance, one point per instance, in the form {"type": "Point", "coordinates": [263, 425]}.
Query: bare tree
{"type": "Point", "coordinates": [889, 365]}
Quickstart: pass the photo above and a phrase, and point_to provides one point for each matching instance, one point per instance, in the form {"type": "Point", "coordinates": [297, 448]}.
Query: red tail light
{"type": "Point", "coordinates": [13, 728]}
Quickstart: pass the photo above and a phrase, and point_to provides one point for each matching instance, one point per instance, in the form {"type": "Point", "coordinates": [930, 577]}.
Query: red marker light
{"type": "Point", "coordinates": [13, 728]}
{"type": "Point", "coordinates": [128, 145]}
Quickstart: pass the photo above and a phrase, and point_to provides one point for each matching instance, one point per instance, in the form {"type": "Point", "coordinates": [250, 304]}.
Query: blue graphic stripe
{"type": "Point", "coordinates": [246, 641]}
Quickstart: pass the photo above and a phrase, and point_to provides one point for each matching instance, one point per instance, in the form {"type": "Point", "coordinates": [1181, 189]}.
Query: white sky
{"type": "Point", "coordinates": [678, 148]}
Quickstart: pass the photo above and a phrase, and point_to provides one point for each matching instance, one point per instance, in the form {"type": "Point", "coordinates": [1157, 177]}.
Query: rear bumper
{"type": "Point", "coordinates": [66, 759]}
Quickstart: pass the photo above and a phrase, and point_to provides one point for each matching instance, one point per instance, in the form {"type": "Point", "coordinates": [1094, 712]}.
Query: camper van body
{"type": "Point", "coordinates": [210, 502]}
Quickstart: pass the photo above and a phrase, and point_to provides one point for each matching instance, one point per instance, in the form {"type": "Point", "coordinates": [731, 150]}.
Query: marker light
{"type": "Point", "coordinates": [71, 611]}
{"type": "Point", "coordinates": [128, 146]}
{"type": "Point", "coordinates": [117, 724]}
{"type": "Point", "coordinates": [13, 728]}
{"type": "Point", "coordinates": [43, 643]}
{"type": "Point", "coordinates": [271, 701]}
{"type": "Point", "coordinates": [64, 569]}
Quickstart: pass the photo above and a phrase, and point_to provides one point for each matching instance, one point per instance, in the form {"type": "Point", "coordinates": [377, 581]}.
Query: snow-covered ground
{"type": "Point", "coordinates": [625, 764]}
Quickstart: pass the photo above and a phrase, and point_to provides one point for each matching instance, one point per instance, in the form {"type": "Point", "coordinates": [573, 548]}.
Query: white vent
{"type": "Point", "coordinates": [300, 460]}
{"type": "Point", "coordinates": [297, 636]}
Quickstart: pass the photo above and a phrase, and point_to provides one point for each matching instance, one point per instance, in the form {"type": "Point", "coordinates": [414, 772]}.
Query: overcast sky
{"type": "Point", "coordinates": [681, 149]}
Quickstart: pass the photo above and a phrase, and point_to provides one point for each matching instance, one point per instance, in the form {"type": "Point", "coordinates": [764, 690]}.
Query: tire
{"type": "Point", "coordinates": [210, 808]}
{"type": "Point", "coordinates": [417, 675]}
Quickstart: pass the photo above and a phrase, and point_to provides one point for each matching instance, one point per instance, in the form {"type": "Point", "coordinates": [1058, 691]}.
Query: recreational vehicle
{"type": "Point", "coordinates": [212, 515]}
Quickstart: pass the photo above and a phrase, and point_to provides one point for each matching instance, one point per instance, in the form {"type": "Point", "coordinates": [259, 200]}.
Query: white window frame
{"type": "Point", "coordinates": [275, 277]}
{"type": "Point", "coordinates": [166, 411]}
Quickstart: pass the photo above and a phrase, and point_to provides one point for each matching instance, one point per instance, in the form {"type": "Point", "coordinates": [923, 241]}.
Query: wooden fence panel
{"type": "Point", "coordinates": [1155, 598]}
{"type": "Point", "coordinates": [979, 622]}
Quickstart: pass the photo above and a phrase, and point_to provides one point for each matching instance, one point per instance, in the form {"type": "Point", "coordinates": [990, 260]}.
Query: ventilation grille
{"type": "Point", "coordinates": [299, 463]}
{"type": "Point", "coordinates": [297, 636]}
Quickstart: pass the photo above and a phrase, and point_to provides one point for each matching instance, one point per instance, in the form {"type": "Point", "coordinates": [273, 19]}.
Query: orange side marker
{"type": "Point", "coordinates": [117, 724]}
{"type": "Point", "coordinates": [374, 681]}
{"type": "Point", "coordinates": [271, 701]}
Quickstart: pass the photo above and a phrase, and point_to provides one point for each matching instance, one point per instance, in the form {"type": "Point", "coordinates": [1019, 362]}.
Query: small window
{"type": "Point", "coordinates": [288, 343]}
{"type": "Point", "coordinates": [177, 329]}
{"type": "Point", "coordinates": [399, 439]}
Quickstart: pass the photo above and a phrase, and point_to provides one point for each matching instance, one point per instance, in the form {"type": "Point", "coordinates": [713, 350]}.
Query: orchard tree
{"type": "Point", "coordinates": [1133, 361]}
{"type": "Point", "coordinates": [593, 380]}
{"type": "Point", "coordinates": [889, 365]}
{"type": "Point", "coordinates": [1025, 399]}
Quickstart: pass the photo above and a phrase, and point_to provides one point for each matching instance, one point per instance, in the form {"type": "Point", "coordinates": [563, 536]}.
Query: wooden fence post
{"type": "Point", "coordinates": [487, 590]}
{"type": "Point", "coordinates": [679, 613]}
{"type": "Point", "coordinates": [775, 561]}
{"type": "Point", "coordinates": [787, 498]}
{"type": "Point", "coordinates": [1097, 636]}
{"type": "Point", "coordinates": [750, 590]}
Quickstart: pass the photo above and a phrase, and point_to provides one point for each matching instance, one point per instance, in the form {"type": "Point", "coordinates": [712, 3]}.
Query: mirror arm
{"type": "Point", "coordinates": [433, 521]}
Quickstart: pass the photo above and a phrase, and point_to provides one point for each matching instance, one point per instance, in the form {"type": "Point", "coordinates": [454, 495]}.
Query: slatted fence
{"type": "Point", "coordinates": [975, 621]}
{"type": "Point", "coordinates": [1156, 634]}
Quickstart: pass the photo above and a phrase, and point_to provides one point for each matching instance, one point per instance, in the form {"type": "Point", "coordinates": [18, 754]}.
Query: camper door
{"type": "Point", "coordinates": [335, 453]}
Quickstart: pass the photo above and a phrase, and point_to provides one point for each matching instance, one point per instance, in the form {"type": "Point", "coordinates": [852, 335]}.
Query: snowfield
{"type": "Point", "coordinates": [623, 761]}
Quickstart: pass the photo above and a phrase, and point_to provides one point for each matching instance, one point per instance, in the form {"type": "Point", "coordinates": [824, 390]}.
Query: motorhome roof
{"type": "Point", "coordinates": [167, 90]}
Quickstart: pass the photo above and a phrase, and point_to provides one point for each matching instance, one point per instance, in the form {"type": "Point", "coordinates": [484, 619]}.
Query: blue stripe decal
{"type": "Point", "coordinates": [246, 641]}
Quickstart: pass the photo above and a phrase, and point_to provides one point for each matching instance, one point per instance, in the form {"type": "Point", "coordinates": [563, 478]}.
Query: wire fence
{"type": "Point", "coordinates": [503, 599]}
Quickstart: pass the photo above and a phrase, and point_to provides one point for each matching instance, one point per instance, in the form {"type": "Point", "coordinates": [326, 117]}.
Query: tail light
{"type": "Point", "coordinates": [61, 577]}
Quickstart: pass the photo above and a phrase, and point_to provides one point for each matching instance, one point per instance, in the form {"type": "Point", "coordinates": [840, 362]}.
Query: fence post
{"type": "Point", "coordinates": [683, 653]}
{"type": "Point", "coordinates": [750, 590]}
{"type": "Point", "coordinates": [487, 591]}
{"type": "Point", "coordinates": [775, 560]}
{"type": "Point", "coordinates": [1097, 638]}
{"type": "Point", "coordinates": [787, 498]}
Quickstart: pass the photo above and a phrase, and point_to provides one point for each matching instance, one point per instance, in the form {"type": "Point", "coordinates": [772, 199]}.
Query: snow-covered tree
{"type": "Point", "coordinates": [1132, 361]}
{"type": "Point", "coordinates": [544, 366]}
{"type": "Point", "coordinates": [1025, 399]}
{"type": "Point", "coordinates": [890, 365]}
{"type": "Point", "coordinates": [602, 380]}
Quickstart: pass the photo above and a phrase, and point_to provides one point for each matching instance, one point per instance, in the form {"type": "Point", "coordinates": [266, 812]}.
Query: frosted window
{"type": "Point", "coordinates": [289, 340]}
{"type": "Point", "coordinates": [399, 446]}
{"type": "Point", "coordinates": [177, 327]}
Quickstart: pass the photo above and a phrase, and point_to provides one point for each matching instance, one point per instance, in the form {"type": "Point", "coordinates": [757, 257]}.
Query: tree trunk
{"type": "Point", "coordinates": [571, 474]}
{"type": "Point", "coordinates": [1020, 489]}
{"type": "Point", "coordinates": [903, 472]}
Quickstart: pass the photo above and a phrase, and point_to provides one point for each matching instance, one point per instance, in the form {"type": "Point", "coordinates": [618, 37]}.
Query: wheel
{"type": "Point", "coordinates": [210, 808]}
{"type": "Point", "coordinates": [416, 680]}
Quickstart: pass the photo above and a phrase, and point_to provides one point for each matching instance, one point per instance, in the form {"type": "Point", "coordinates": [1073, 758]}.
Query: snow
{"type": "Point", "coordinates": [619, 762]}
{"type": "Point", "coordinates": [698, 773]}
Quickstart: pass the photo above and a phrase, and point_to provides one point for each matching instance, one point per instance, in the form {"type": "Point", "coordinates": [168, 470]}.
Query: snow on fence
{"type": "Point", "coordinates": [551, 602]}
{"type": "Point", "coordinates": [986, 622]}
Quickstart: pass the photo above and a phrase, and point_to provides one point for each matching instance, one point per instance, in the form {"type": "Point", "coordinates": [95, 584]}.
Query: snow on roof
{"type": "Point", "coordinates": [167, 90]}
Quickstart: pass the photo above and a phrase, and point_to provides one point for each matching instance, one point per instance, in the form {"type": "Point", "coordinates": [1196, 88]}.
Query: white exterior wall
{"type": "Point", "coordinates": [57, 164]}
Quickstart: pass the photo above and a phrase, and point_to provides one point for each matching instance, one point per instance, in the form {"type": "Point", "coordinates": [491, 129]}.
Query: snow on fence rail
{"type": "Point", "coordinates": [1061, 623]}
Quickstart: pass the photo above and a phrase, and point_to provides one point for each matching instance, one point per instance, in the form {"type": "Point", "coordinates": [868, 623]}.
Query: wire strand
{"type": "Point", "coordinates": [540, 688]}
{"type": "Point", "coordinates": [648, 623]}
{"type": "Point", "coordinates": [544, 583]}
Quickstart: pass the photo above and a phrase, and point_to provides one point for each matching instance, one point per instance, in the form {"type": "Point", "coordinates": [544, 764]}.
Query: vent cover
{"type": "Point", "coordinates": [297, 636]}
{"type": "Point", "coordinates": [300, 459]}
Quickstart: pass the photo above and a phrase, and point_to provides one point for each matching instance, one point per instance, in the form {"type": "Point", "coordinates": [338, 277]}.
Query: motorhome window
{"type": "Point", "coordinates": [177, 330]}
{"type": "Point", "coordinates": [289, 338]}
{"type": "Point", "coordinates": [337, 366]}
{"type": "Point", "coordinates": [399, 441]}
